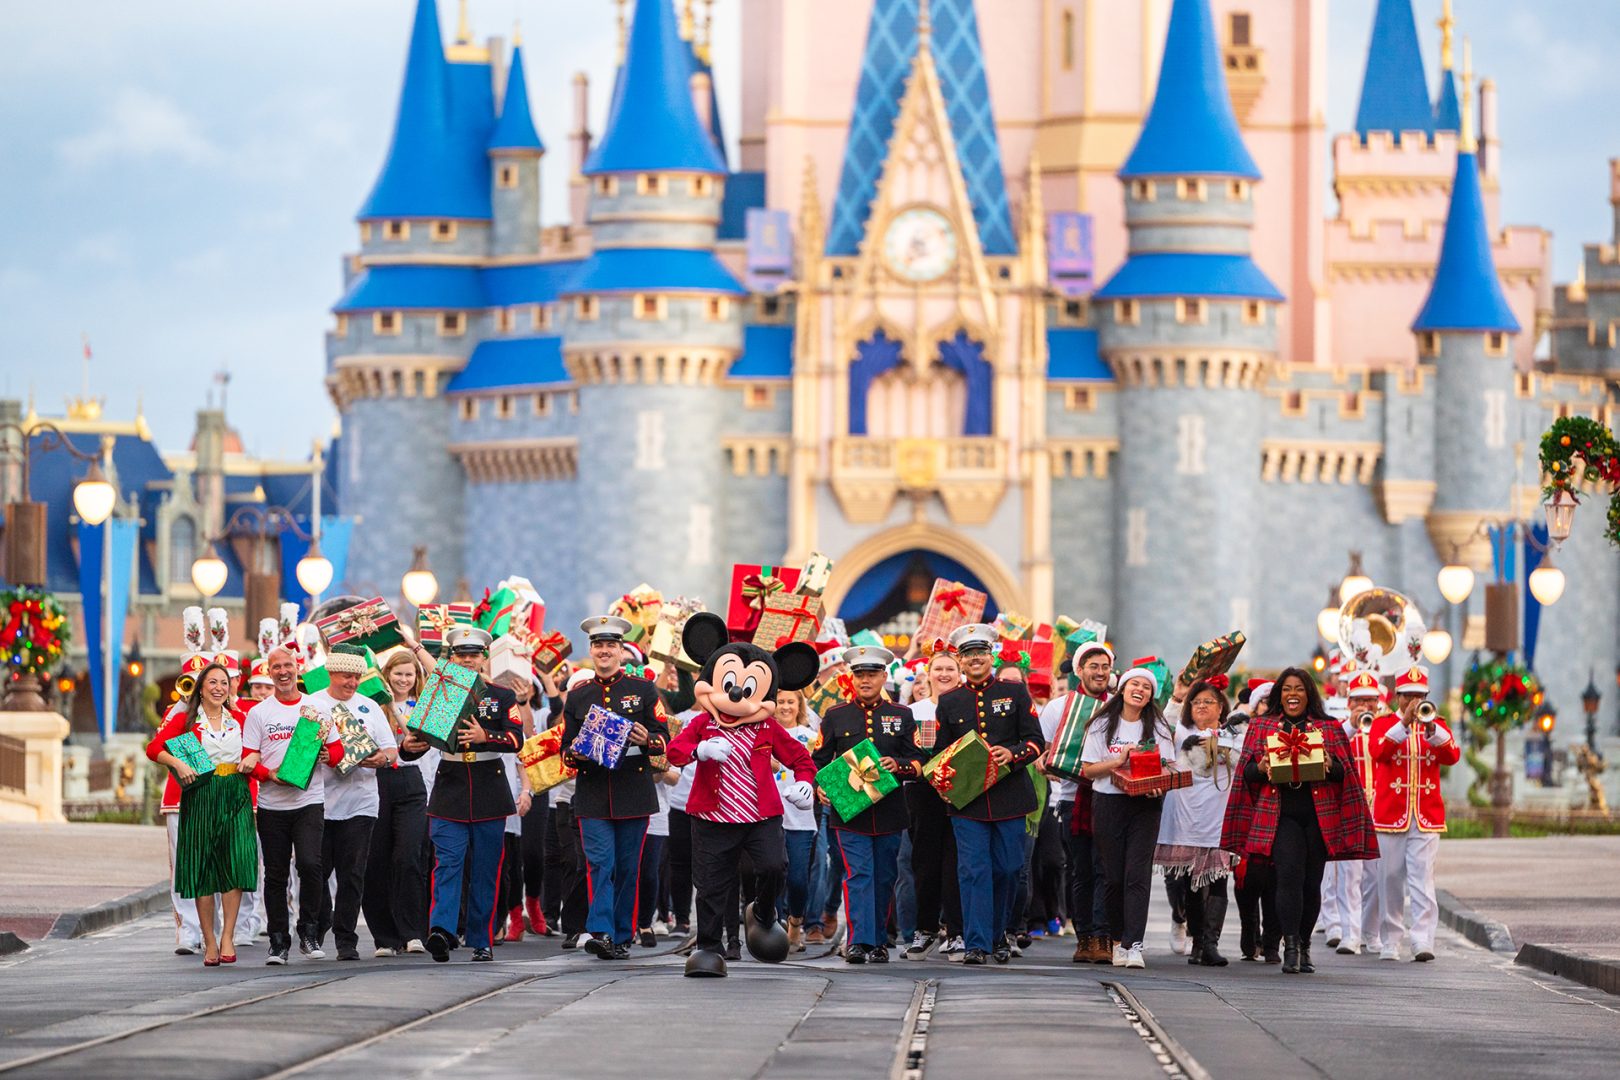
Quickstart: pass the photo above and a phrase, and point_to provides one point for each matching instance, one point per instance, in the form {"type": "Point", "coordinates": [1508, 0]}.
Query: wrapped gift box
{"type": "Point", "coordinates": [367, 623]}
{"type": "Point", "coordinates": [788, 618]}
{"type": "Point", "coordinates": [817, 572]}
{"type": "Point", "coordinates": [304, 749]}
{"type": "Point", "coordinates": [950, 605]}
{"type": "Point", "coordinates": [357, 741]}
{"type": "Point", "coordinates": [1166, 779]}
{"type": "Point", "coordinates": [529, 611]}
{"type": "Point", "coordinates": [373, 685]}
{"type": "Point", "coordinates": [509, 655]}
{"type": "Point", "coordinates": [964, 770]}
{"type": "Point", "coordinates": [602, 737]}
{"type": "Point", "coordinates": [1161, 672]}
{"type": "Point", "coordinates": [833, 690]}
{"type": "Point", "coordinates": [665, 646]}
{"type": "Point", "coordinates": [1297, 756]}
{"type": "Point", "coordinates": [448, 698]}
{"type": "Point", "coordinates": [542, 760]}
{"type": "Point", "coordinates": [550, 650]}
{"type": "Point", "coordinates": [1011, 626]}
{"type": "Point", "coordinates": [1213, 658]}
{"type": "Point", "coordinates": [495, 611]}
{"type": "Point", "coordinates": [854, 781]}
{"type": "Point", "coordinates": [752, 588]}
{"type": "Point", "coordinates": [1032, 656]}
{"type": "Point", "coordinates": [434, 622]}
{"type": "Point", "coordinates": [642, 606]}
{"type": "Point", "coordinates": [1063, 756]}
{"type": "Point", "coordinates": [1144, 762]}
{"type": "Point", "coordinates": [189, 749]}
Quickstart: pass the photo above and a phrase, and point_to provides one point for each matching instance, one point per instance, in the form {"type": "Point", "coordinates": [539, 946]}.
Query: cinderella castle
{"type": "Point", "coordinates": [1049, 302]}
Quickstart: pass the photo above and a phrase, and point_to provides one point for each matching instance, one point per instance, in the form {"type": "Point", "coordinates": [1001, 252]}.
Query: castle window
{"type": "Point", "coordinates": [182, 549]}
{"type": "Point", "coordinates": [1428, 343]}
{"type": "Point", "coordinates": [1079, 399]}
{"type": "Point", "coordinates": [1191, 310]}
{"type": "Point", "coordinates": [607, 185]}
{"type": "Point", "coordinates": [1143, 190]}
{"type": "Point", "coordinates": [701, 186]}
{"type": "Point", "coordinates": [758, 396]}
{"type": "Point", "coordinates": [1525, 384]}
{"type": "Point", "coordinates": [1068, 39]}
{"type": "Point", "coordinates": [505, 320]}
{"type": "Point", "coordinates": [542, 405]}
{"type": "Point", "coordinates": [649, 451]}
{"type": "Point", "coordinates": [650, 184]}
{"type": "Point", "coordinates": [1294, 403]}
{"type": "Point", "coordinates": [539, 317]}
{"type": "Point", "coordinates": [342, 327]}
{"type": "Point", "coordinates": [649, 306]}
{"type": "Point", "coordinates": [385, 323]}
{"type": "Point", "coordinates": [1239, 29]}
{"type": "Point", "coordinates": [506, 177]}
{"type": "Point", "coordinates": [1238, 190]}
{"type": "Point", "coordinates": [1496, 344]}
{"type": "Point", "coordinates": [469, 408]}
{"type": "Point", "coordinates": [716, 308]}
{"type": "Point", "coordinates": [769, 307]}
{"type": "Point", "coordinates": [585, 308]}
{"type": "Point", "coordinates": [1254, 312]}
{"type": "Point", "coordinates": [1126, 312]}
{"type": "Point", "coordinates": [452, 323]}
{"type": "Point", "coordinates": [1352, 406]}
{"type": "Point", "coordinates": [503, 407]}
{"type": "Point", "coordinates": [1191, 189]}
{"type": "Point", "coordinates": [444, 231]}
{"type": "Point", "coordinates": [1072, 313]}
{"type": "Point", "coordinates": [365, 232]}
{"type": "Point", "coordinates": [396, 230]}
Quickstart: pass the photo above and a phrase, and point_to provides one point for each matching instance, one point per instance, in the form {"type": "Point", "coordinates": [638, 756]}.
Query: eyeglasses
{"type": "Point", "coordinates": [1206, 703]}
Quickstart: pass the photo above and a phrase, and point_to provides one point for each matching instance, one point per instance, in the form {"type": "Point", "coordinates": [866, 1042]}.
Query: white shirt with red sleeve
{"type": "Point", "coordinates": [266, 732]}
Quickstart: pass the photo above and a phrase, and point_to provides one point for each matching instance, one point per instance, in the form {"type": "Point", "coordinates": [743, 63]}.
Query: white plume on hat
{"type": "Point", "coordinates": [219, 630]}
{"type": "Point", "coordinates": [191, 622]}
{"type": "Point", "coordinates": [269, 638]}
{"type": "Point", "coordinates": [287, 623]}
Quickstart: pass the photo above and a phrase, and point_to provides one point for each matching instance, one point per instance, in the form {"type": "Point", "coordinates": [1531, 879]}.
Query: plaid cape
{"type": "Point", "coordinates": [1341, 805]}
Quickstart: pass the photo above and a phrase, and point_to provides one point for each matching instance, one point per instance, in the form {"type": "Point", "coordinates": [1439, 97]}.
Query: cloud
{"type": "Point", "coordinates": [140, 125]}
{"type": "Point", "coordinates": [101, 249]}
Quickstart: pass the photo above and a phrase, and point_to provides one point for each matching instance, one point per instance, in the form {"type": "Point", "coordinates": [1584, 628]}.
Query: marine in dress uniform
{"type": "Point", "coordinates": [468, 808]}
{"type": "Point", "coordinates": [990, 829]}
{"type": "Point", "coordinates": [612, 805]}
{"type": "Point", "coordinates": [1409, 813]}
{"type": "Point", "coordinates": [869, 842]}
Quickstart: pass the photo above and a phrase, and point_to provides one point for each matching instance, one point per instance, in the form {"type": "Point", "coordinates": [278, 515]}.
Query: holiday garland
{"type": "Point", "coordinates": [1499, 694]}
{"type": "Point", "coordinates": [1577, 450]}
{"type": "Point", "coordinates": [35, 633]}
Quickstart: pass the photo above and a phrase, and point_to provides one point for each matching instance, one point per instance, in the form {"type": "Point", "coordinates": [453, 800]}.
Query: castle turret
{"type": "Point", "coordinates": [1394, 89]}
{"type": "Point", "coordinates": [515, 151]}
{"type": "Point", "coordinates": [1465, 330]}
{"type": "Point", "coordinates": [652, 326]}
{"type": "Point", "coordinates": [1188, 326]}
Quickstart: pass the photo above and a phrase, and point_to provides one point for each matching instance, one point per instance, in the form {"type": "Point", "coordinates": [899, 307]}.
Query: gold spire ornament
{"type": "Point", "coordinates": [624, 34]}
{"type": "Point", "coordinates": [1466, 142]}
{"type": "Point", "coordinates": [463, 25]}
{"type": "Point", "coordinates": [1447, 25]}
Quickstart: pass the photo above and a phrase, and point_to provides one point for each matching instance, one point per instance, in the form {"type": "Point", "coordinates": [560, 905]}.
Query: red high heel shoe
{"type": "Point", "coordinates": [231, 959]}
{"type": "Point", "coordinates": [210, 963]}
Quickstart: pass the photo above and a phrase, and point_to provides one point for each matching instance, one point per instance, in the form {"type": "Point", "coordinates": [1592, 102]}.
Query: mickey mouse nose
{"type": "Point", "coordinates": [736, 693]}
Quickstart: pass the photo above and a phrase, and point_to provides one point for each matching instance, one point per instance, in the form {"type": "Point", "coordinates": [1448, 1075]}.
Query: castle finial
{"type": "Point", "coordinates": [463, 25]}
{"type": "Point", "coordinates": [624, 34]}
{"type": "Point", "coordinates": [517, 33]}
{"type": "Point", "coordinates": [1447, 25]}
{"type": "Point", "coordinates": [688, 20]}
{"type": "Point", "coordinates": [925, 26]}
{"type": "Point", "coordinates": [1466, 141]}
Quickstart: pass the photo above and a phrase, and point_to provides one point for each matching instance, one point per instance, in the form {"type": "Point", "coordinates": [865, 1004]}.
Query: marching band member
{"type": "Point", "coordinates": [869, 842]}
{"type": "Point", "coordinates": [612, 805]}
{"type": "Point", "coordinates": [990, 829]}
{"type": "Point", "coordinates": [1409, 747]}
{"type": "Point", "coordinates": [469, 805]}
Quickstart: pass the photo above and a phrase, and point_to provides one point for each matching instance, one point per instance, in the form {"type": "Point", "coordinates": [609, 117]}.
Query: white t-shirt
{"type": "Point", "coordinates": [354, 795]}
{"type": "Point", "coordinates": [794, 819]}
{"type": "Point", "coordinates": [514, 780]}
{"type": "Point", "coordinates": [658, 824]}
{"type": "Point", "coordinates": [1050, 719]}
{"type": "Point", "coordinates": [428, 763]}
{"type": "Point", "coordinates": [269, 725]}
{"type": "Point", "coordinates": [1126, 736]}
{"type": "Point", "coordinates": [683, 787]}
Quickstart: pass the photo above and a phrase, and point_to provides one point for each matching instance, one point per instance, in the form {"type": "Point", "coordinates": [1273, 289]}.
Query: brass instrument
{"type": "Point", "coordinates": [1364, 721]}
{"type": "Point", "coordinates": [1381, 631]}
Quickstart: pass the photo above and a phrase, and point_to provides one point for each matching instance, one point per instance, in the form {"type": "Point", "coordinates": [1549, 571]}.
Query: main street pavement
{"type": "Point", "coordinates": [118, 1003]}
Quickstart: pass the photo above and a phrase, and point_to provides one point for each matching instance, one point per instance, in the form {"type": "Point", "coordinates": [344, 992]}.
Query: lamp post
{"type": "Point", "coordinates": [1591, 698]}
{"type": "Point", "coordinates": [314, 569]}
{"type": "Point", "coordinates": [1546, 719]}
{"type": "Point", "coordinates": [1355, 580]}
{"type": "Point", "coordinates": [419, 586]}
{"type": "Point", "coordinates": [93, 496]}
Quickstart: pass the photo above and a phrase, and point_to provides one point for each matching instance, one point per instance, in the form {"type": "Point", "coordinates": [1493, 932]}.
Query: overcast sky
{"type": "Point", "coordinates": [178, 178]}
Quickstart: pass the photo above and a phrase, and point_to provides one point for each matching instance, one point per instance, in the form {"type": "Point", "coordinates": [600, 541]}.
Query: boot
{"type": "Point", "coordinates": [1210, 934]}
{"type": "Point", "coordinates": [1290, 955]}
{"type": "Point", "coordinates": [1268, 946]}
{"type": "Point", "coordinates": [537, 918]}
{"type": "Point", "coordinates": [1082, 949]}
{"type": "Point", "coordinates": [1305, 965]}
{"type": "Point", "coordinates": [1103, 953]}
{"type": "Point", "coordinates": [514, 924]}
{"type": "Point", "coordinates": [795, 934]}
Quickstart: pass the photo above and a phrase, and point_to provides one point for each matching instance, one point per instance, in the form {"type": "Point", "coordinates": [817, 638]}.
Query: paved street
{"type": "Point", "coordinates": [540, 1011]}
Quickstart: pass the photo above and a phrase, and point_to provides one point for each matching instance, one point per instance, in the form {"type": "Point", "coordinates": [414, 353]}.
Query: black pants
{"type": "Point", "coordinates": [1300, 856]}
{"type": "Point", "coordinates": [649, 884]}
{"type": "Point", "coordinates": [395, 896]}
{"type": "Point", "coordinates": [680, 867]}
{"type": "Point", "coordinates": [510, 893]}
{"type": "Point", "coordinates": [292, 837]}
{"type": "Point", "coordinates": [1126, 828]}
{"type": "Point", "coordinates": [1086, 893]}
{"type": "Point", "coordinates": [345, 846]}
{"type": "Point", "coordinates": [1176, 890]}
{"type": "Point", "coordinates": [933, 862]}
{"type": "Point", "coordinates": [717, 849]}
{"type": "Point", "coordinates": [534, 847]}
{"type": "Point", "coordinates": [1046, 873]}
{"type": "Point", "coordinates": [565, 896]}
{"type": "Point", "coordinates": [1257, 907]}
{"type": "Point", "coordinates": [1206, 912]}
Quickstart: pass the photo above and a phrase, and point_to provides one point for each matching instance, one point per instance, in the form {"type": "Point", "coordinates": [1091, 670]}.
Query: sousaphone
{"type": "Point", "coordinates": [1381, 631]}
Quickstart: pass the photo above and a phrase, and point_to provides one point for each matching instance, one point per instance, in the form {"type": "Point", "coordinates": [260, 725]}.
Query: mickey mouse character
{"type": "Point", "coordinates": [735, 806]}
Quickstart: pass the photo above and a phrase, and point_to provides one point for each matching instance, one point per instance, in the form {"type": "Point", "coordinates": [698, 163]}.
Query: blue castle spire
{"type": "Point", "coordinates": [1190, 130]}
{"type": "Point", "coordinates": [652, 126]}
{"type": "Point", "coordinates": [1466, 294]}
{"type": "Point", "coordinates": [1447, 111]}
{"type": "Point", "coordinates": [1394, 90]}
{"type": "Point", "coordinates": [515, 129]}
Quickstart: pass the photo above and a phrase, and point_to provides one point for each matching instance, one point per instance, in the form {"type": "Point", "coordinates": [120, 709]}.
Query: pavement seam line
{"type": "Point", "coordinates": [1165, 1049]}
{"type": "Point", "coordinates": [911, 1055]}
{"type": "Point", "coordinates": [826, 985]}
{"type": "Point", "coordinates": [63, 1051]}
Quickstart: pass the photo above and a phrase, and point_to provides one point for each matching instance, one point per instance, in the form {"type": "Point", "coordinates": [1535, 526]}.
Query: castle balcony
{"type": "Point", "coordinates": [968, 474]}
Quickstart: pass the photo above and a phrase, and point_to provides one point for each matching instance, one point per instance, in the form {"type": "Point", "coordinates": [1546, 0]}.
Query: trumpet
{"type": "Point", "coordinates": [1426, 713]}
{"type": "Point", "coordinates": [1364, 721]}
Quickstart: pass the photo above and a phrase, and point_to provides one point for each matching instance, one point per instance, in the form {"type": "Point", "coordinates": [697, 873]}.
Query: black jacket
{"type": "Point", "coordinates": [478, 790]}
{"type": "Point", "coordinates": [891, 729]}
{"type": "Point", "coordinates": [1003, 714]}
{"type": "Point", "coordinates": [629, 790]}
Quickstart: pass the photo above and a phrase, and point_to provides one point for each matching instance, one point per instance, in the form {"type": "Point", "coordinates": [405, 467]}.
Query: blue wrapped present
{"type": "Point", "coordinates": [602, 737]}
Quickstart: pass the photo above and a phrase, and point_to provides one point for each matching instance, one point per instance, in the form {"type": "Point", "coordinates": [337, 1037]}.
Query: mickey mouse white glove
{"type": "Point", "coordinates": [715, 749]}
{"type": "Point", "coordinates": [801, 794]}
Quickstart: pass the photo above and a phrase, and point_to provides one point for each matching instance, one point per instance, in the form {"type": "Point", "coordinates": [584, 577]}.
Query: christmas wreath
{"type": "Point", "coordinates": [1577, 450]}
{"type": "Point", "coordinates": [34, 637]}
{"type": "Point", "coordinates": [1500, 694]}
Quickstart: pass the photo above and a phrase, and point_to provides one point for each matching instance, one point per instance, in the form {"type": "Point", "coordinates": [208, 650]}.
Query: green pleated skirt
{"type": "Point", "coordinates": [217, 849]}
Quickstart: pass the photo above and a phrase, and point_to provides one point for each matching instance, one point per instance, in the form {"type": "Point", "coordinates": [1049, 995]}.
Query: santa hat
{"type": "Point", "coordinates": [1259, 690]}
{"type": "Point", "coordinates": [1414, 681]}
{"type": "Point", "coordinates": [1363, 684]}
{"type": "Point", "coordinates": [583, 675]}
{"type": "Point", "coordinates": [1140, 671]}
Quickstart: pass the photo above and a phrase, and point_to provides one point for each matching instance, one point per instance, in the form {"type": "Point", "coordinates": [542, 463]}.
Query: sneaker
{"type": "Point", "coordinates": [276, 958]}
{"type": "Point", "coordinates": [188, 948]}
{"type": "Point", "coordinates": [952, 950]}
{"type": "Point", "coordinates": [1390, 952]}
{"type": "Point", "coordinates": [1333, 941]}
{"type": "Point", "coordinates": [974, 957]}
{"type": "Point", "coordinates": [1002, 955]}
{"type": "Point", "coordinates": [483, 956]}
{"type": "Point", "coordinates": [386, 950]}
{"type": "Point", "coordinates": [348, 954]}
{"type": "Point", "coordinates": [415, 946]}
{"type": "Point", "coordinates": [571, 941]}
{"type": "Point", "coordinates": [312, 949]}
{"type": "Point", "coordinates": [1037, 932]}
{"type": "Point", "coordinates": [1016, 945]}
{"type": "Point", "coordinates": [621, 951]}
{"type": "Point", "coordinates": [649, 939]}
{"type": "Point", "coordinates": [1347, 947]}
{"type": "Point", "coordinates": [920, 944]}
{"type": "Point", "coordinates": [244, 940]}
{"type": "Point", "coordinates": [660, 927]}
{"type": "Point", "coordinates": [1120, 955]}
{"type": "Point", "coordinates": [733, 951]}
{"type": "Point", "coordinates": [682, 930]}
{"type": "Point", "coordinates": [1133, 957]}
{"type": "Point", "coordinates": [1054, 928]}
{"type": "Point", "coordinates": [1423, 955]}
{"type": "Point", "coordinates": [1178, 939]}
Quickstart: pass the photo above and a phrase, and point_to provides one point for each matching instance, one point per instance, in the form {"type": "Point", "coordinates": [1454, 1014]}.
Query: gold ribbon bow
{"type": "Point", "coordinates": [358, 621]}
{"type": "Point", "coordinates": [757, 589]}
{"type": "Point", "coordinates": [863, 775]}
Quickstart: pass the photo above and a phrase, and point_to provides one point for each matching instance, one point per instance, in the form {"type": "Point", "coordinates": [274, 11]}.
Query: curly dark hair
{"type": "Point", "coordinates": [1198, 688]}
{"type": "Point", "coordinates": [1314, 709]}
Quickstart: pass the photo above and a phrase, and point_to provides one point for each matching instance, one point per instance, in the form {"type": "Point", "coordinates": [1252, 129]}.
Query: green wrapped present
{"type": "Point", "coordinates": [189, 749]}
{"type": "Point", "coordinates": [1063, 755]}
{"type": "Point", "coordinates": [854, 781]}
{"type": "Point", "coordinates": [964, 770]}
{"type": "Point", "coordinates": [867, 637]}
{"type": "Point", "coordinates": [304, 749]}
{"type": "Point", "coordinates": [1214, 657]}
{"type": "Point", "coordinates": [447, 701]}
{"type": "Point", "coordinates": [357, 741]}
{"type": "Point", "coordinates": [833, 690]}
{"type": "Point", "coordinates": [495, 611]}
{"type": "Point", "coordinates": [316, 679]}
{"type": "Point", "coordinates": [1161, 672]}
{"type": "Point", "coordinates": [373, 685]}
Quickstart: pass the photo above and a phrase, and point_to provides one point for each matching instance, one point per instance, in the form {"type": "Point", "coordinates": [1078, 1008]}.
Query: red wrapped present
{"type": "Point", "coordinates": [1160, 782]}
{"type": "Point", "coordinates": [1144, 762]}
{"type": "Point", "coordinates": [550, 650]}
{"type": "Point", "coordinates": [753, 588]}
{"type": "Point", "coordinates": [367, 623]}
{"type": "Point", "coordinates": [950, 605]}
{"type": "Point", "coordinates": [788, 618]}
{"type": "Point", "coordinates": [1034, 658]}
